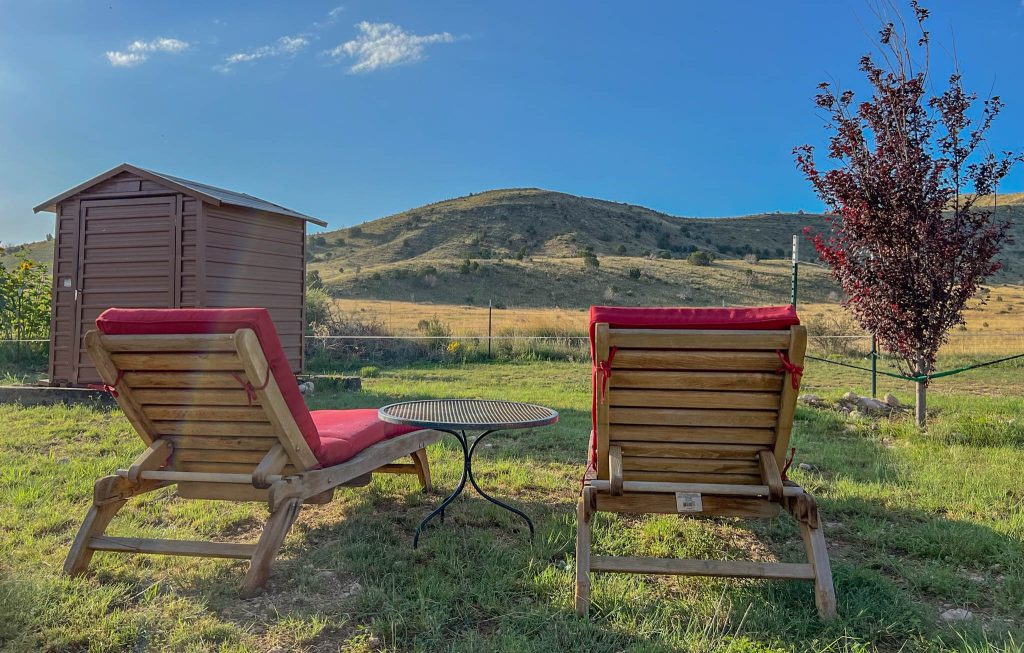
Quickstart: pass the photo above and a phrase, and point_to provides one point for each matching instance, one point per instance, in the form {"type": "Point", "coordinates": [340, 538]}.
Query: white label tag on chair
{"type": "Point", "coordinates": [688, 502]}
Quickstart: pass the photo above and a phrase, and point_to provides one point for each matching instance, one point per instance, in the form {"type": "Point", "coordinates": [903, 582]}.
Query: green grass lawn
{"type": "Point", "coordinates": [916, 523]}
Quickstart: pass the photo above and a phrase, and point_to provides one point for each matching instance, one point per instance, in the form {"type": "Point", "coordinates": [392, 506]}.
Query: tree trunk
{"type": "Point", "coordinates": [921, 405]}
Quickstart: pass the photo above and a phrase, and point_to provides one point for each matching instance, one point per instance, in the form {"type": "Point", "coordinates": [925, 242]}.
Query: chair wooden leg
{"type": "Point", "coordinates": [271, 539]}
{"type": "Point", "coordinates": [817, 554]}
{"type": "Point", "coordinates": [583, 533]}
{"type": "Point", "coordinates": [110, 493]}
{"type": "Point", "coordinates": [96, 522]}
{"type": "Point", "coordinates": [419, 458]}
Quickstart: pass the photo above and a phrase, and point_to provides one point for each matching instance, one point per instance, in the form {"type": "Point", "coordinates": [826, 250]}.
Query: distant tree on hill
{"type": "Point", "coordinates": [313, 279]}
{"type": "Point", "coordinates": [907, 244]}
{"type": "Point", "coordinates": [699, 258]}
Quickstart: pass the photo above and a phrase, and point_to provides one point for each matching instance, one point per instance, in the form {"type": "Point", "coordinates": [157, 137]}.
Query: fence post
{"type": "Point", "coordinates": [489, 307]}
{"type": "Point", "coordinates": [874, 367]}
{"type": "Point", "coordinates": [796, 263]}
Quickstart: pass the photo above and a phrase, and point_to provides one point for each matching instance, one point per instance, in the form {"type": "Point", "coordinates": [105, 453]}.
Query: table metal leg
{"type": "Point", "coordinates": [461, 437]}
{"type": "Point", "coordinates": [469, 468]}
{"type": "Point", "coordinates": [467, 472]}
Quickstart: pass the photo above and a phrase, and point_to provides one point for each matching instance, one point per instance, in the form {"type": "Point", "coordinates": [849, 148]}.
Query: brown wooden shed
{"type": "Point", "coordinates": [136, 238]}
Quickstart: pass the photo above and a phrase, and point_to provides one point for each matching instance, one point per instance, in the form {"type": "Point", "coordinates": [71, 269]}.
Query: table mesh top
{"type": "Point", "coordinates": [468, 413]}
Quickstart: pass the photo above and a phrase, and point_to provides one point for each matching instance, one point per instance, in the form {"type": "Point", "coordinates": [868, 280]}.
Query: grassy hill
{"type": "Point", "coordinates": [40, 251]}
{"type": "Point", "coordinates": [525, 247]}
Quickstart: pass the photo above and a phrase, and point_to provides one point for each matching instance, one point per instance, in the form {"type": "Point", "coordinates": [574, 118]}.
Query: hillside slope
{"type": "Point", "coordinates": [524, 248]}
{"type": "Point", "coordinates": [503, 223]}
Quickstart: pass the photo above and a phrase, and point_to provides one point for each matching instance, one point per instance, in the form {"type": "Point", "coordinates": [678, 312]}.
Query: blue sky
{"type": "Point", "coordinates": [354, 111]}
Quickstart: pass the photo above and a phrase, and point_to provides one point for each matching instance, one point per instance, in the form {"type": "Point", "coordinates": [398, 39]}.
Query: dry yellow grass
{"type": "Point", "coordinates": [993, 329]}
{"type": "Point", "coordinates": [402, 318]}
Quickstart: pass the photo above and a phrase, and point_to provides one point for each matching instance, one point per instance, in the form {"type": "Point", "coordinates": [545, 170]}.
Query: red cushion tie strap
{"type": "Point", "coordinates": [586, 472]}
{"type": "Point", "coordinates": [787, 366]}
{"type": "Point", "coordinates": [250, 391]}
{"type": "Point", "coordinates": [789, 461]}
{"type": "Point", "coordinates": [103, 387]}
{"type": "Point", "coordinates": [604, 371]}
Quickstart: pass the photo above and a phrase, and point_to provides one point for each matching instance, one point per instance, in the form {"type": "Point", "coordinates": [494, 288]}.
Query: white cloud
{"type": "Point", "coordinates": [332, 17]}
{"type": "Point", "coordinates": [139, 51]}
{"type": "Point", "coordinates": [381, 45]}
{"type": "Point", "coordinates": [284, 46]}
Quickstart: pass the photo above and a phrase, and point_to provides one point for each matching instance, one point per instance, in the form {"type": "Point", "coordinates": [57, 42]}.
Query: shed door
{"type": "Point", "coordinates": [126, 259]}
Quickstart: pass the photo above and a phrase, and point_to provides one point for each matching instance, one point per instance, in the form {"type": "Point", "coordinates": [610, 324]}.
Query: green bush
{"type": "Point", "coordinates": [318, 308]}
{"type": "Point", "coordinates": [634, 273]}
{"type": "Point", "coordinates": [699, 258]}
{"type": "Point", "coordinates": [313, 279]}
{"type": "Point", "coordinates": [369, 371]}
{"type": "Point", "coordinates": [25, 301]}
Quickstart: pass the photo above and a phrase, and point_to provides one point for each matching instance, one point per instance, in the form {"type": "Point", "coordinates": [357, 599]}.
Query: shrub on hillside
{"type": "Point", "coordinates": [634, 273]}
{"type": "Point", "coordinates": [699, 258]}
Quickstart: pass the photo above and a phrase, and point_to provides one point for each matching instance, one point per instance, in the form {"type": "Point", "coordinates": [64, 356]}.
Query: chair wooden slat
{"type": "Point", "coordinates": [661, 380]}
{"type": "Point", "coordinates": [181, 379]}
{"type": "Point", "coordinates": [172, 361]}
{"type": "Point", "coordinates": [206, 413]}
{"type": "Point", "coordinates": [693, 399]}
{"type": "Point", "coordinates": [658, 359]}
{"type": "Point", "coordinates": [666, 476]}
{"type": "Point", "coordinates": [694, 434]}
{"type": "Point", "coordinates": [697, 339]}
{"type": "Point", "coordinates": [199, 442]}
{"type": "Point", "coordinates": [211, 429]}
{"type": "Point", "coordinates": [690, 450]}
{"type": "Point", "coordinates": [692, 417]}
{"type": "Point", "coordinates": [200, 342]}
{"type": "Point", "coordinates": [632, 464]}
{"type": "Point", "coordinates": [190, 396]}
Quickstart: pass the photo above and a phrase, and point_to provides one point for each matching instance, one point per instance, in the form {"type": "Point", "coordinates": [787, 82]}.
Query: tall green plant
{"type": "Point", "coordinates": [24, 301]}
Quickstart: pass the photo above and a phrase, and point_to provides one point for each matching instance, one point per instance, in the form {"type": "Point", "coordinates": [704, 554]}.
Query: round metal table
{"type": "Point", "coordinates": [456, 416]}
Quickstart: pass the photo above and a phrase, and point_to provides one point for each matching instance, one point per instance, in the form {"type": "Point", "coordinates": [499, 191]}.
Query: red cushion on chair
{"type": "Point", "coordinates": [344, 433]}
{"type": "Point", "coordinates": [687, 317]}
{"type": "Point", "coordinates": [145, 321]}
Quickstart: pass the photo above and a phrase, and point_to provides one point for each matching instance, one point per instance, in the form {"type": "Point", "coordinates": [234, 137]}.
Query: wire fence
{"type": "Point", "coordinates": [329, 353]}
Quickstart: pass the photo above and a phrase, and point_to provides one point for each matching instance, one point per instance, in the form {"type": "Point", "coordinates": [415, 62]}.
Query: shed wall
{"type": "Point", "coordinates": [254, 258]}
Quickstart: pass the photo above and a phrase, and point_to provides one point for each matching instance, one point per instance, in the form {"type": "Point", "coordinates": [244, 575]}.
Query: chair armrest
{"type": "Point", "coordinates": [770, 475]}
{"type": "Point", "coordinates": [271, 465]}
{"type": "Point", "coordinates": [615, 469]}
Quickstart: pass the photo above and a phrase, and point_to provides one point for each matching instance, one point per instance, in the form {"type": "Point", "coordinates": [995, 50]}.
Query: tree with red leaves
{"type": "Point", "coordinates": [905, 240]}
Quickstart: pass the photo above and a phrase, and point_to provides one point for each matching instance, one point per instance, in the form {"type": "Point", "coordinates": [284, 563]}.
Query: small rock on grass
{"type": "Point", "coordinates": [813, 400]}
{"type": "Point", "coordinates": [956, 614]}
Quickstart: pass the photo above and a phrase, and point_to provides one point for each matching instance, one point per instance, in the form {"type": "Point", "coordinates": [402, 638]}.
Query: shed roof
{"type": "Point", "coordinates": [205, 192]}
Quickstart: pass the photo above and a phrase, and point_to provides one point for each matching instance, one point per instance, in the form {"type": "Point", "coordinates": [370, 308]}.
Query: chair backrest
{"type": "Point", "coordinates": [693, 395]}
{"type": "Point", "coordinates": [215, 383]}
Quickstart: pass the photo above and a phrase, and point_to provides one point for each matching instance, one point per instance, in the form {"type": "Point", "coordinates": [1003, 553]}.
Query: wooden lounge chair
{"type": "Point", "coordinates": [211, 393]}
{"type": "Point", "coordinates": [692, 414]}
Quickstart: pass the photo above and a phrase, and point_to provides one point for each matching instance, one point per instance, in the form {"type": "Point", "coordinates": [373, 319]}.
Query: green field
{"type": "Point", "coordinates": [917, 523]}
